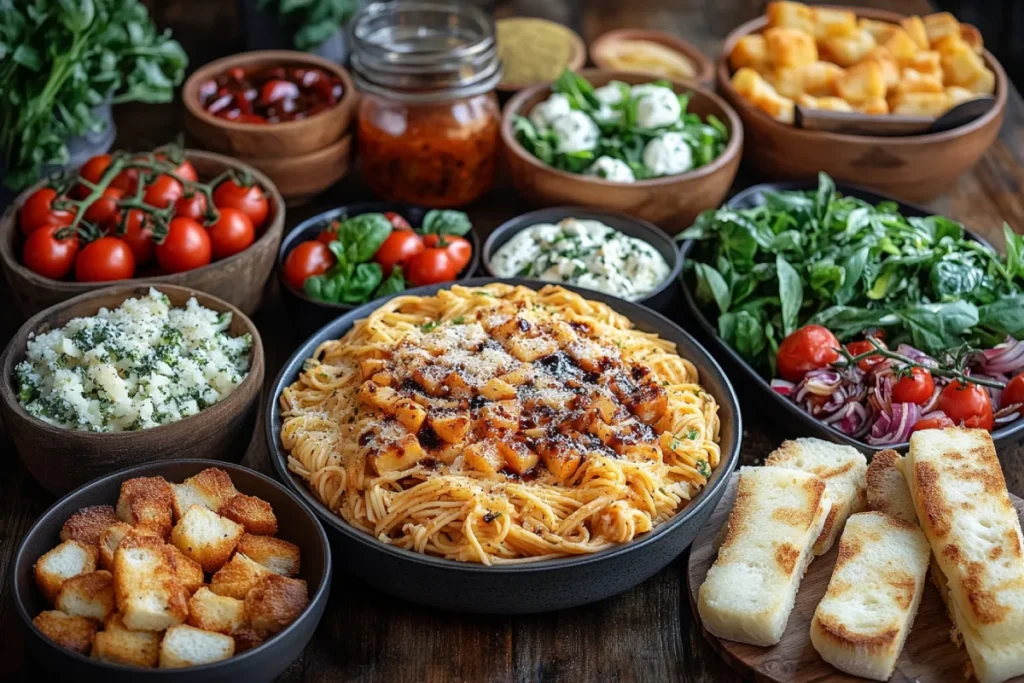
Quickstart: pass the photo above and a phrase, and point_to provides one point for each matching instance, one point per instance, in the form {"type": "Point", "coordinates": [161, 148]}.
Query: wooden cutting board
{"type": "Point", "coordinates": [928, 657]}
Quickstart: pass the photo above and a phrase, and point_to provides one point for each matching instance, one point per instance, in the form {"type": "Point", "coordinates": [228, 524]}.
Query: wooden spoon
{"type": "Point", "coordinates": [889, 125]}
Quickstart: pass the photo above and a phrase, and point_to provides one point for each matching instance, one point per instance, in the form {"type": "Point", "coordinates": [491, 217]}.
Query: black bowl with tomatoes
{"type": "Point", "coordinates": [414, 253]}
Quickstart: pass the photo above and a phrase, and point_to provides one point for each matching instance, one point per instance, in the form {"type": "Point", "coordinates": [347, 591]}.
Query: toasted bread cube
{"type": "Point", "coordinates": [890, 68]}
{"type": "Point", "coordinates": [117, 644]}
{"type": "Point", "coordinates": [875, 107]}
{"type": "Point", "coordinates": [879, 30]}
{"type": "Point", "coordinates": [794, 15]}
{"type": "Point", "coordinates": [73, 633]}
{"type": "Point", "coordinates": [67, 560]}
{"type": "Point", "coordinates": [236, 578]}
{"type": "Point", "coordinates": [921, 104]}
{"type": "Point", "coordinates": [148, 593]}
{"type": "Point", "coordinates": [761, 94]}
{"type": "Point", "coordinates": [940, 25]}
{"type": "Point", "coordinates": [849, 49]}
{"type": "Point", "coordinates": [483, 456]}
{"type": "Point", "coordinates": [88, 595]}
{"type": "Point", "coordinates": [206, 537]}
{"type": "Point", "coordinates": [824, 103]}
{"type": "Point", "coordinates": [147, 502]}
{"type": "Point", "coordinates": [914, 81]}
{"type": "Point", "coordinates": [211, 489]}
{"type": "Point", "coordinates": [217, 613]}
{"type": "Point", "coordinates": [972, 36]}
{"type": "Point", "coordinates": [862, 83]}
{"type": "Point", "coordinates": [110, 538]}
{"type": "Point", "coordinates": [819, 79]}
{"type": "Point", "coordinates": [956, 95]}
{"type": "Point", "coordinates": [790, 47]}
{"type": "Point", "coordinates": [255, 514]}
{"type": "Point", "coordinates": [275, 602]}
{"type": "Point", "coordinates": [750, 50]}
{"type": "Point", "coordinates": [833, 22]}
{"type": "Point", "coordinates": [926, 63]}
{"type": "Point", "coordinates": [901, 45]}
{"type": "Point", "coordinates": [185, 645]}
{"type": "Point", "coordinates": [87, 524]}
{"type": "Point", "coordinates": [962, 66]}
{"type": "Point", "coordinates": [915, 29]}
{"type": "Point", "coordinates": [246, 638]}
{"type": "Point", "coordinates": [276, 554]}
{"type": "Point", "coordinates": [188, 572]}
{"type": "Point", "coordinates": [518, 457]}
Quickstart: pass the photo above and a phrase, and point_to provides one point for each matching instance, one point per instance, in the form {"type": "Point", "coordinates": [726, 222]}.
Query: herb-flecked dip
{"type": "Point", "coordinates": [140, 365]}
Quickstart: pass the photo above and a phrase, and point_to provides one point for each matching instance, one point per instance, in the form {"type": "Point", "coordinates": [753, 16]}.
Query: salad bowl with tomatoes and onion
{"type": "Point", "coordinates": [346, 257]}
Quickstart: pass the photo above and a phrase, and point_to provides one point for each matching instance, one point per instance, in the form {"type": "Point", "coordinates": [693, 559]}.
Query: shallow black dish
{"type": "Point", "coordinates": [309, 314]}
{"type": "Point", "coordinates": [296, 524]}
{"type": "Point", "coordinates": [664, 298]}
{"type": "Point", "coordinates": [538, 586]}
{"type": "Point", "coordinates": [784, 409]}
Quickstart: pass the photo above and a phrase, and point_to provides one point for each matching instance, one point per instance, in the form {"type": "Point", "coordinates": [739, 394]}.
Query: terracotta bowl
{"type": "Point", "coordinates": [702, 65]}
{"type": "Point", "coordinates": [289, 139]}
{"type": "Point", "coordinates": [62, 459]}
{"type": "Point", "coordinates": [671, 202]}
{"type": "Point", "coordinates": [300, 178]}
{"type": "Point", "coordinates": [238, 279]}
{"type": "Point", "coordinates": [914, 168]}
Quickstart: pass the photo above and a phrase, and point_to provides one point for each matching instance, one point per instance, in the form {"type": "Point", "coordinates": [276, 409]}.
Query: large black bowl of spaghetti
{"type": "Point", "coordinates": [505, 446]}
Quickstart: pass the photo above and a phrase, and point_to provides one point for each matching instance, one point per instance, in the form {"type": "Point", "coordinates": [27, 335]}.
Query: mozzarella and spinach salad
{"type": "Point", "coordinates": [619, 132]}
{"type": "Point", "coordinates": [586, 253]}
{"type": "Point", "coordinates": [140, 365]}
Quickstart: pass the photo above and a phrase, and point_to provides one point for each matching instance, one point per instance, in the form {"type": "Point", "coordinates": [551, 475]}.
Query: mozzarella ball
{"type": "Point", "coordinates": [550, 109]}
{"type": "Point", "coordinates": [656, 106]}
{"type": "Point", "coordinates": [576, 132]}
{"type": "Point", "coordinates": [610, 168]}
{"type": "Point", "coordinates": [668, 154]}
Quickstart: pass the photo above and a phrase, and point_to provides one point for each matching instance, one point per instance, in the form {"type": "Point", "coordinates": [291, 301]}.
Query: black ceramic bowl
{"type": "Point", "coordinates": [296, 524]}
{"type": "Point", "coordinates": [664, 298]}
{"type": "Point", "coordinates": [309, 314]}
{"type": "Point", "coordinates": [537, 586]}
{"type": "Point", "coordinates": [781, 407]}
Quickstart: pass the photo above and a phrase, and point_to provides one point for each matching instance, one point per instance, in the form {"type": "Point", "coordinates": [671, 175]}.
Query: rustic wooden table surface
{"type": "Point", "coordinates": [646, 634]}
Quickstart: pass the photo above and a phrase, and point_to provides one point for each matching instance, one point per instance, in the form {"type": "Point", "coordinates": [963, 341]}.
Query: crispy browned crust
{"type": "Point", "coordinates": [786, 556]}
{"type": "Point", "coordinates": [839, 634]}
{"type": "Point", "coordinates": [147, 502]}
{"type": "Point", "coordinates": [255, 514]}
{"type": "Point", "coordinates": [87, 524]}
{"type": "Point", "coordinates": [882, 461]}
{"type": "Point", "coordinates": [71, 633]}
{"type": "Point", "coordinates": [246, 638]}
{"type": "Point", "coordinates": [275, 602]}
{"type": "Point", "coordinates": [801, 517]}
{"type": "Point", "coordinates": [791, 450]}
{"type": "Point", "coordinates": [95, 586]}
{"type": "Point", "coordinates": [236, 578]}
{"type": "Point", "coordinates": [186, 570]}
{"type": "Point", "coordinates": [49, 583]}
{"type": "Point", "coordinates": [163, 578]}
{"type": "Point", "coordinates": [264, 549]}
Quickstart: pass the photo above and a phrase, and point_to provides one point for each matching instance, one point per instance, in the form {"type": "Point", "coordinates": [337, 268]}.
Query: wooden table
{"type": "Point", "coordinates": [646, 634]}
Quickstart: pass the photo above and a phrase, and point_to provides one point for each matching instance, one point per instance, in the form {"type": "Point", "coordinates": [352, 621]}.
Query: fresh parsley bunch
{"type": "Point", "coordinates": [314, 20]}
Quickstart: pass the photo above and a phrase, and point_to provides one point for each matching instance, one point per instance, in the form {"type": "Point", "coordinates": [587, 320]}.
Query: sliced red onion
{"type": "Point", "coordinates": [782, 387]}
{"type": "Point", "coordinates": [994, 394]}
{"type": "Point", "coordinates": [916, 355]}
{"type": "Point", "coordinates": [895, 427]}
{"type": "Point", "coordinates": [1006, 358]}
{"type": "Point", "coordinates": [930, 404]}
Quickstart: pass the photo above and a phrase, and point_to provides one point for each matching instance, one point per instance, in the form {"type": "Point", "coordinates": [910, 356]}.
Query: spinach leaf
{"type": "Point", "coordinates": [791, 292]}
{"type": "Point", "coordinates": [744, 333]}
{"type": "Point", "coordinates": [847, 321]}
{"type": "Point", "coordinates": [445, 222]}
{"type": "Point", "coordinates": [392, 284]}
{"type": "Point", "coordinates": [953, 279]}
{"type": "Point", "coordinates": [853, 268]}
{"type": "Point", "coordinates": [1005, 316]}
{"type": "Point", "coordinates": [362, 235]}
{"type": "Point", "coordinates": [711, 286]}
{"type": "Point", "coordinates": [936, 327]}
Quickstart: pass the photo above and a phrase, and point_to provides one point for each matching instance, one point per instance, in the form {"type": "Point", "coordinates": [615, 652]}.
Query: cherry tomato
{"type": "Point", "coordinates": [231, 233]}
{"type": "Point", "coordinates": [163, 192]}
{"type": "Point", "coordinates": [186, 246]}
{"type": "Point", "coordinates": [329, 234]}
{"type": "Point", "coordinates": [193, 207]}
{"type": "Point", "coordinates": [138, 235]}
{"type": "Point", "coordinates": [397, 249]}
{"type": "Point", "coordinates": [932, 423]}
{"type": "Point", "coordinates": [397, 221]}
{"type": "Point", "coordinates": [47, 255]}
{"type": "Point", "coordinates": [863, 346]}
{"type": "Point", "coordinates": [127, 181]}
{"type": "Point", "coordinates": [967, 404]}
{"type": "Point", "coordinates": [108, 258]}
{"type": "Point", "coordinates": [809, 348]}
{"type": "Point", "coordinates": [38, 211]}
{"type": "Point", "coordinates": [185, 170]}
{"type": "Point", "coordinates": [306, 260]}
{"type": "Point", "coordinates": [429, 267]}
{"type": "Point", "coordinates": [1014, 391]}
{"type": "Point", "coordinates": [251, 200]}
{"type": "Point", "coordinates": [917, 387]}
{"type": "Point", "coordinates": [104, 209]}
{"type": "Point", "coordinates": [93, 171]}
{"type": "Point", "coordinates": [459, 249]}
{"type": "Point", "coordinates": [276, 89]}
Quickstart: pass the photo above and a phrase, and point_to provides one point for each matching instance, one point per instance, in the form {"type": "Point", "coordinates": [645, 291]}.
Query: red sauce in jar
{"type": "Point", "coordinates": [270, 95]}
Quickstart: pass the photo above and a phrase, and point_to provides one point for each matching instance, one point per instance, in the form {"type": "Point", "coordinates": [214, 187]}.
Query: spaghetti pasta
{"type": "Point", "coordinates": [500, 424]}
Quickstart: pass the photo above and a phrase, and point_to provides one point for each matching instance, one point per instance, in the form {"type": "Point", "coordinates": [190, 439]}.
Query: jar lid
{"type": "Point", "coordinates": [424, 51]}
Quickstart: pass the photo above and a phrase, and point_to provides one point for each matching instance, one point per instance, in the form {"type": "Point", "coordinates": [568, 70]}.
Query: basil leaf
{"type": "Point", "coordinates": [853, 268]}
{"type": "Point", "coordinates": [392, 284]}
{"type": "Point", "coordinates": [935, 327]}
{"type": "Point", "coordinates": [848, 321]}
{"type": "Point", "coordinates": [1014, 252]}
{"type": "Point", "coordinates": [711, 286]}
{"type": "Point", "coordinates": [744, 333]}
{"type": "Point", "coordinates": [364, 279]}
{"type": "Point", "coordinates": [791, 293]}
{"type": "Point", "coordinates": [445, 222]}
{"type": "Point", "coordinates": [953, 279]}
{"type": "Point", "coordinates": [1005, 316]}
{"type": "Point", "coordinates": [362, 235]}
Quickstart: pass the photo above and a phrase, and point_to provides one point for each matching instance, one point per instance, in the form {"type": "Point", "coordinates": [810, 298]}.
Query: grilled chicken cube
{"type": "Point", "coordinates": [410, 414]}
{"type": "Point", "coordinates": [372, 366]}
{"type": "Point", "coordinates": [561, 459]}
{"type": "Point", "coordinates": [512, 327]}
{"type": "Point", "coordinates": [457, 386]}
{"type": "Point", "coordinates": [517, 456]}
{"type": "Point", "coordinates": [382, 378]}
{"type": "Point", "coordinates": [602, 430]}
{"type": "Point", "coordinates": [432, 379]}
{"type": "Point", "coordinates": [605, 408]}
{"type": "Point", "coordinates": [589, 355]}
{"type": "Point", "coordinates": [451, 427]}
{"type": "Point", "coordinates": [648, 401]}
{"type": "Point", "coordinates": [483, 456]}
{"type": "Point", "coordinates": [398, 456]}
{"type": "Point", "coordinates": [373, 394]}
{"type": "Point", "coordinates": [518, 376]}
{"type": "Point", "coordinates": [498, 390]}
{"type": "Point", "coordinates": [500, 415]}
{"type": "Point", "coordinates": [529, 350]}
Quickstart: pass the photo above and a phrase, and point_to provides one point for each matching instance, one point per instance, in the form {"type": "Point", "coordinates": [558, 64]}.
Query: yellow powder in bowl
{"type": "Point", "coordinates": [533, 50]}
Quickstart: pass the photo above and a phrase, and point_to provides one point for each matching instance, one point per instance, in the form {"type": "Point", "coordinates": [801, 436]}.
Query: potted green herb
{"type": "Point", "coordinates": [315, 26]}
{"type": "Point", "coordinates": [63, 63]}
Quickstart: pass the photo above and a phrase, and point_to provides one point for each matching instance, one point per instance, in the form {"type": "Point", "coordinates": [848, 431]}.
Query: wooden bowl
{"type": "Point", "coordinates": [62, 459]}
{"type": "Point", "coordinates": [671, 202]}
{"type": "Point", "coordinates": [703, 66]}
{"type": "Point", "coordinates": [302, 177]}
{"type": "Point", "coordinates": [257, 140]}
{"type": "Point", "coordinates": [914, 168]}
{"type": "Point", "coordinates": [238, 279]}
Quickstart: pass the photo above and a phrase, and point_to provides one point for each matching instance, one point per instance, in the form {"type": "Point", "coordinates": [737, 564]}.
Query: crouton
{"type": "Point", "coordinates": [849, 49]}
{"type": "Point", "coordinates": [750, 50]}
{"type": "Point", "coordinates": [218, 613]}
{"type": "Point", "coordinates": [761, 94]}
{"type": "Point", "coordinates": [915, 29]}
{"type": "Point", "coordinates": [926, 63]}
{"type": "Point", "coordinates": [833, 22]}
{"type": "Point", "coordinates": [238, 576]}
{"type": "Point", "coordinates": [211, 489]}
{"type": "Point", "coordinates": [824, 103]}
{"type": "Point", "coordinates": [928, 104]}
{"type": "Point", "coordinates": [189, 646]}
{"type": "Point", "coordinates": [940, 25]}
{"type": "Point", "coordinates": [862, 83]}
{"type": "Point", "coordinates": [88, 595]}
{"type": "Point", "coordinates": [206, 537]}
{"type": "Point", "coordinates": [874, 107]}
{"type": "Point", "coordinates": [901, 45]}
{"type": "Point", "coordinates": [972, 36]}
{"type": "Point", "coordinates": [275, 602]}
{"type": "Point", "coordinates": [67, 560]}
{"type": "Point", "coordinates": [956, 95]}
{"type": "Point", "coordinates": [817, 79]}
{"type": "Point", "coordinates": [790, 47]}
{"type": "Point", "coordinates": [109, 539]}
{"type": "Point", "coordinates": [890, 68]}
{"type": "Point", "coordinates": [795, 15]}
{"type": "Point", "coordinates": [253, 513]}
{"type": "Point", "coordinates": [119, 645]}
{"type": "Point", "coordinates": [87, 524]}
{"type": "Point", "coordinates": [879, 30]}
{"type": "Point", "coordinates": [277, 555]}
{"type": "Point", "coordinates": [188, 572]}
{"type": "Point", "coordinates": [146, 502]}
{"type": "Point", "coordinates": [246, 638]}
{"type": "Point", "coordinates": [70, 632]}
{"type": "Point", "coordinates": [145, 586]}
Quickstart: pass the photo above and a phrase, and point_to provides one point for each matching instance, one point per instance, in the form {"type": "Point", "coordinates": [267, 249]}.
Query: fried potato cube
{"type": "Point", "coordinates": [108, 542]}
{"type": "Point", "coordinates": [238, 576]}
{"type": "Point", "coordinates": [501, 415]}
{"type": "Point", "coordinates": [497, 390]}
{"type": "Point", "coordinates": [255, 514]}
{"type": "Point", "coordinates": [879, 30]}
{"type": "Point", "coordinates": [371, 366]}
{"type": "Point", "coordinates": [915, 81]}
{"type": "Point", "coordinates": [915, 29]}
{"type": "Point", "coordinates": [528, 350]}
{"type": "Point", "coordinates": [560, 459]}
{"type": "Point", "coordinates": [211, 488]}
{"type": "Point", "coordinates": [451, 427]}
{"type": "Point", "coordinates": [483, 456]}
{"type": "Point", "coordinates": [957, 95]}
{"type": "Point", "coordinates": [410, 414]}
{"type": "Point", "coordinates": [88, 595]}
{"type": "Point", "coordinates": [400, 455]}
{"type": "Point", "coordinates": [824, 103]}
{"type": "Point", "coordinates": [276, 602]}
{"type": "Point", "coordinates": [382, 378]}
{"type": "Point", "coordinates": [795, 15]}
{"type": "Point", "coordinates": [185, 645]}
{"type": "Point", "coordinates": [833, 22]}
{"type": "Point", "coordinates": [147, 502]}
{"type": "Point", "coordinates": [217, 613]}
{"type": "Point", "coordinates": [972, 36]}
{"type": "Point", "coordinates": [519, 458]}
{"type": "Point", "coordinates": [276, 554]}
{"type": "Point", "coordinates": [206, 537]}
{"type": "Point", "coordinates": [518, 377]}
{"type": "Point", "coordinates": [147, 592]}
{"type": "Point", "coordinates": [119, 645]}
{"type": "Point", "coordinates": [71, 632]}
{"type": "Point", "coordinates": [862, 83]}
{"type": "Point", "coordinates": [875, 106]}
{"type": "Point", "coordinates": [376, 396]}
{"type": "Point", "coordinates": [962, 66]}
{"type": "Point", "coordinates": [901, 46]}
{"type": "Point", "coordinates": [921, 104]}
{"type": "Point", "coordinates": [926, 63]}
{"type": "Point", "coordinates": [890, 69]}
{"type": "Point", "coordinates": [750, 50]}
{"type": "Point", "coordinates": [67, 560]}
{"type": "Point", "coordinates": [940, 25]}
{"type": "Point", "coordinates": [849, 49]}
{"type": "Point", "coordinates": [790, 47]}
{"type": "Point", "coordinates": [753, 88]}
{"type": "Point", "coordinates": [87, 524]}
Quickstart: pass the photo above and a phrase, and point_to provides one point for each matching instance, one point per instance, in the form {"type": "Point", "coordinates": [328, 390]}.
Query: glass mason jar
{"type": "Point", "coordinates": [429, 119]}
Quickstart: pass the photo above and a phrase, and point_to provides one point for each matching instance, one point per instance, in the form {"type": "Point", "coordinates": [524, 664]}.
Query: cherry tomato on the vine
{"type": "Point", "coordinates": [808, 348]}
{"type": "Point", "coordinates": [1014, 391]}
{"type": "Point", "coordinates": [306, 260]}
{"type": "Point", "coordinates": [108, 258]}
{"type": "Point", "coordinates": [105, 208]}
{"type": "Point", "coordinates": [137, 234]}
{"type": "Point", "coordinates": [398, 222]}
{"type": "Point", "coordinates": [231, 233]}
{"type": "Point", "coordinates": [430, 266]}
{"type": "Point", "coordinates": [185, 247]}
{"type": "Point", "coordinates": [329, 234]}
{"type": "Point", "coordinates": [967, 404]}
{"type": "Point", "coordinates": [459, 249]}
{"type": "Point", "coordinates": [193, 207]}
{"type": "Point", "coordinates": [47, 255]}
{"type": "Point", "coordinates": [397, 249]}
{"type": "Point", "coordinates": [917, 387]}
{"type": "Point", "coordinates": [38, 211]}
{"type": "Point", "coordinates": [856, 348]}
{"type": "Point", "coordinates": [932, 423]}
{"type": "Point", "coordinates": [163, 191]}
{"type": "Point", "coordinates": [251, 200]}
{"type": "Point", "coordinates": [92, 170]}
